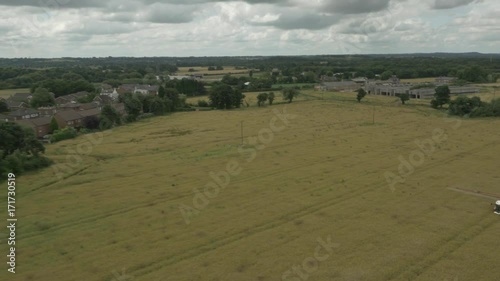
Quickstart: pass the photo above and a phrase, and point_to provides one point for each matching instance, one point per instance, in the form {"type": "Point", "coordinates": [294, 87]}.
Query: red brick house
{"type": "Point", "coordinates": [40, 125]}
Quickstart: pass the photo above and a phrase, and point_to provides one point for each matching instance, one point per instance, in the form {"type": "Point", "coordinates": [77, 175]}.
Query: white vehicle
{"type": "Point", "coordinates": [497, 207]}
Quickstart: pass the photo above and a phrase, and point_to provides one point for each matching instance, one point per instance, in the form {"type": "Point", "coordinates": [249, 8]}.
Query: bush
{"type": "Point", "coordinates": [203, 103]}
{"type": "Point", "coordinates": [64, 134]}
{"type": "Point", "coordinates": [15, 163]}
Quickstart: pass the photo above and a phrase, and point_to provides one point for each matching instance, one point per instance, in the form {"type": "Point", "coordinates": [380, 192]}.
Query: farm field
{"type": "Point", "coordinates": [419, 80]}
{"type": "Point", "coordinates": [205, 71]}
{"type": "Point", "coordinates": [7, 93]}
{"type": "Point", "coordinates": [319, 177]}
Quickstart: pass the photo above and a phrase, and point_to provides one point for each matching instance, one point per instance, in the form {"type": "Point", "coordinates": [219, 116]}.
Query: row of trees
{"type": "Point", "coordinates": [465, 106]}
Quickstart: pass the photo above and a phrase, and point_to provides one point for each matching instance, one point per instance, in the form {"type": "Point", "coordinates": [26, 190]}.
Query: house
{"type": "Point", "coordinates": [80, 95]}
{"type": "Point", "coordinates": [15, 105]}
{"type": "Point", "coordinates": [90, 105]}
{"type": "Point", "coordinates": [40, 125]}
{"type": "Point", "coordinates": [180, 77]}
{"type": "Point", "coordinates": [360, 81]}
{"type": "Point", "coordinates": [3, 118]}
{"type": "Point", "coordinates": [95, 112]}
{"type": "Point", "coordinates": [47, 111]}
{"type": "Point", "coordinates": [394, 80]}
{"type": "Point", "coordinates": [23, 113]}
{"type": "Point", "coordinates": [344, 86]}
{"type": "Point", "coordinates": [72, 98]}
{"type": "Point", "coordinates": [106, 88]}
{"type": "Point", "coordinates": [147, 89]}
{"type": "Point", "coordinates": [125, 88]}
{"type": "Point", "coordinates": [25, 97]}
{"type": "Point", "coordinates": [138, 89]}
{"type": "Point", "coordinates": [68, 118]}
{"type": "Point", "coordinates": [104, 99]}
{"type": "Point", "coordinates": [62, 100]}
{"type": "Point", "coordinates": [71, 105]}
{"type": "Point", "coordinates": [111, 93]}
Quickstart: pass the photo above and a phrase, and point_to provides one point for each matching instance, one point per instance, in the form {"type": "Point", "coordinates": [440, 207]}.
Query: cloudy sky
{"type": "Point", "coordinates": [86, 28]}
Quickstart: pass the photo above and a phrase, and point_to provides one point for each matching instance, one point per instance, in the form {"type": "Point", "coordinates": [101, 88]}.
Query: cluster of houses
{"type": "Point", "coordinates": [68, 111]}
{"type": "Point", "coordinates": [394, 87]}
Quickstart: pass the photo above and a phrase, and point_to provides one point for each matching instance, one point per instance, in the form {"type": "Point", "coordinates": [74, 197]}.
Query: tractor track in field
{"type": "Point", "coordinates": [329, 125]}
{"type": "Point", "coordinates": [122, 211]}
{"type": "Point", "coordinates": [187, 254]}
{"type": "Point", "coordinates": [92, 219]}
{"type": "Point", "coordinates": [452, 244]}
{"type": "Point", "coordinates": [162, 200]}
{"type": "Point", "coordinates": [271, 224]}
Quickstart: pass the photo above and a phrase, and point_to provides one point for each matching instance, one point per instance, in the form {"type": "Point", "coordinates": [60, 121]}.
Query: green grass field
{"type": "Point", "coordinates": [7, 93]}
{"type": "Point", "coordinates": [322, 174]}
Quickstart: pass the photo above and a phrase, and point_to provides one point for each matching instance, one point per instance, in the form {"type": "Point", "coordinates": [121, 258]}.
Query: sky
{"type": "Point", "coordinates": [177, 28]}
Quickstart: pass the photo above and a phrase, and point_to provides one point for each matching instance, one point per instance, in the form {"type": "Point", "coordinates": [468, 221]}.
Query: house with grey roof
{"type": "Point", "coordinates": [15, 105]}
{"type": "Point", "coordinates": [47, 111]}
{"type": "Point", "coordinates": [23, 113]}
{"type": "Point", "coordinates": [25, 97]}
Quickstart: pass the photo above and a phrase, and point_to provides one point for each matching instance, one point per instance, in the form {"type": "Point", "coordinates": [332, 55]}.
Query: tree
{"type": "Point", "coordinates": [361, 94]}
{"type": "Point", "coordinates": [441, 97]}
{"type": "Point", "coordinates": [404, 98]}
{"type": "Point", "coordinates": [289, 94]}
{"type": "Point", "coordinates": [230, 80]}
{"type": "Point", "coordinates": [109, 117]}
{"type": "Point", "coordinates": [223, 96]}
{"type": "Point", "coordinates": [42, 97]}
{"type": "Point", "coordinates": [91, 122]}
{"type": "Point", "coordinates": [386, 75]}
{"type": "Point", "coordinates": [158, 106]}
{"type": "Point", "coordinates": [174, 96]}
{"type": "Point", "coordinates": [162, 92]}
{"type": "Point", "coordinates": [474, 74]}
{"type": "Point", "coordinates": [3, 107]}
{"type": "Point", "coordinates": [54, 126]}
{"type": "Point", "coordinates": [270, 97]}
{"type": "Point", "coordinates": [133, 107]}
{"type": "Point", "coordinates": [262, 98]}
{"type": "Point", "coordinates": [20, 150]}
{"type": "Point", "coordinates": [463, 105]}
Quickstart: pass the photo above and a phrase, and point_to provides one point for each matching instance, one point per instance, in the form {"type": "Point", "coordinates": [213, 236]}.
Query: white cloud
{"type": "Point", "coordinates": [258, 27]}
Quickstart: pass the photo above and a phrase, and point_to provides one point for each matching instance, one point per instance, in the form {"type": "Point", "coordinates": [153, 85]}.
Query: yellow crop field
{"type": "Point", "coordinates": [205, 71]}
{"type": "Point", "coordinates": [324, 188]}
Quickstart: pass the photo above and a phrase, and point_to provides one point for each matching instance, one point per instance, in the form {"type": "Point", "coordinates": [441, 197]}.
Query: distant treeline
{"type": "Point", "coordinates": [29, 73]}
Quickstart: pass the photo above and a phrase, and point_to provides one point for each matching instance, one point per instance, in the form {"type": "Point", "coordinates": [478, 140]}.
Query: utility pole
{"type": "Point", "coordinates": [374, 115]}
{"type": "Point", "coordinates": [242, 140]}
